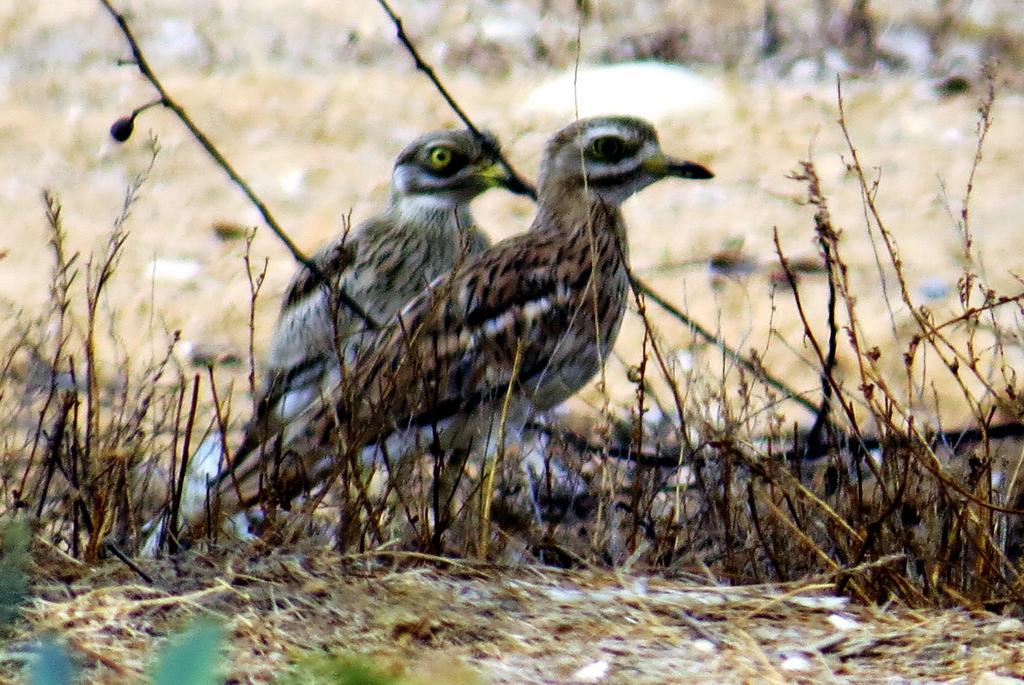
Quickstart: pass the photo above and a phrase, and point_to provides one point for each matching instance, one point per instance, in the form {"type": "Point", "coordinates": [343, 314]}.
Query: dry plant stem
{"type": "Point", "coordinates": [808, 331]}
{"type": "Point", "coordinates": [171, 494]}
{"type": "Point", "coordinates": [222, 430]}
{"type": "Point", "coordinates": [972, 313]}
{"type": "Point", "coordinates": [165, 99]}
{"type": "Point", "coordinates": [61, 281]}
{"type": "Point", "coordinates": [637, 436]}
{"type": "Point", "coordinates": [984, 124]}
{"type": "Point", "coordinates": [828, 243]}
{"type": "Point", "coordinates": [255, 285]}
{"type": "Point", "coordinates": [769, 549]}
{"type": "Point", "coordinates": [98, 656]}
{"type": "Point", "coordinates": [97, 278]}
{"type": "Point", "coordinates": [54, 451]}
{"type": "Point", "coordinates": [124, 559]}
{"type": "Point", "coordinates": [928, 329]}
{"type": "Point", "coordinates": [756, 369]}
{"type": "Point", "coordinates": [499, 455]}
{"type": "Point", "coordinates": [179, 490]}
{"type": "Point", "coordinates": [662, 364]}
{"type": "Point", "coordinates": [822, 422]}
{"type": "Point", "coordinates": [802, 537]}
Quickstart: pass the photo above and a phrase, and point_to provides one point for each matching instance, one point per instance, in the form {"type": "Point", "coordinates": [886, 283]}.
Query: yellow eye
{"type": "Point", "coordinates": [440, 157]}
{"type": "Point", "coordinates": [608, 149]}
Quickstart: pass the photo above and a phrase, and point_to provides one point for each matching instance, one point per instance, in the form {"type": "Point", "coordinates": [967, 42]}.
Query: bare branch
{"type": "Point", "coordinates": [403, 37]}
{"type": "Point", "coordinates": [167, 101]}
{"type": "Point", "coordinates": [709, 337]}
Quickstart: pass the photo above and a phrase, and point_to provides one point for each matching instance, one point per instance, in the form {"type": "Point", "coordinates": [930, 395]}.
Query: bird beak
{"type": "Point", "coordinates": [496, 175]}
{"type": "Point", "coordinates": [662, 165]}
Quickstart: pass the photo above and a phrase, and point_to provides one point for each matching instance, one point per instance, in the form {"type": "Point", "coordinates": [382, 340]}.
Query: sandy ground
{"type": "Point", "coordinates": [311, 101]}
{"type": "Point", "coordinates": [458, 622]}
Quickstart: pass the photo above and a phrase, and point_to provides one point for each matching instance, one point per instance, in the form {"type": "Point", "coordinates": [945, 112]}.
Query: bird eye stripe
{"type": "Point", "coordinates": [611, 179]}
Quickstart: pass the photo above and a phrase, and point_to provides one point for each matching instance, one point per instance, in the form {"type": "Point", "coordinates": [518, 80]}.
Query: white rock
{"type": "Point", "coordinates": [704, 646]}
{"type": "Point", "coordinates": [823, 602]}
{"type": "Point", "coordinates": [1010, 625]}
{"type": "Point", "coordinates": [653, 90]}
{"type": "Point", "coordinates": [293, 183]}
{"type": "Point", "coordinates": [170, 269]}
{"type": "Point", "coordinates": [995, 679]}
{"type": "Point", "coordinates": [175, 40]}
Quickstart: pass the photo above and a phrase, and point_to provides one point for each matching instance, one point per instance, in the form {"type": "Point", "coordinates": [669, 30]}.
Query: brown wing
{"type": "Point", "coordinates": [454, 347]}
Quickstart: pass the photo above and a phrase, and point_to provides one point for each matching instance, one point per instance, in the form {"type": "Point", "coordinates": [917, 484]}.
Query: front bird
{"type": "Point", "coordinates": [532, 318]}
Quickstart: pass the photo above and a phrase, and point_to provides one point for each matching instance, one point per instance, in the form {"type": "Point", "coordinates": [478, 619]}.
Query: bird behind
{"type": "Point", "coordinates": [425, 230]}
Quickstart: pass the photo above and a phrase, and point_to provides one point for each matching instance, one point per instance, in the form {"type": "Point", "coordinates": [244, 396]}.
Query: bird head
{"type": "Point", "coordinates": [611, 157]}
{"type": "Point", "coordinates": [451, 167]}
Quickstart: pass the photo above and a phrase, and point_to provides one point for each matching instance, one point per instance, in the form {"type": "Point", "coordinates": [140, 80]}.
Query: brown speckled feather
{"type": "Point", "coordinates": [535, 293]}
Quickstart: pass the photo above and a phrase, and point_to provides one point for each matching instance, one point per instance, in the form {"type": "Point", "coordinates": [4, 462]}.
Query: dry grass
{"type": "Point", "coordinates": [512, 625]}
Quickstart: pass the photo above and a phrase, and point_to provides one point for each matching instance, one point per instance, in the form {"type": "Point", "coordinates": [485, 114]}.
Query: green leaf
{"type": "Point", "coordinates": [52, 666]}
{"type": "Point", "coordinates": [14, 559]}
{"type": "Point", "coordinates": [334, 669]}
{"type": "Point", "coordinates": [192, 657]}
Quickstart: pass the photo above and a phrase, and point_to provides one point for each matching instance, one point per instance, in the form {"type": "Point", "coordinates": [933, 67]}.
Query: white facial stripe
{"type": "Point", "coordinates": [407, 179]}
{"type": "Point", "coordinates": [606, 130]}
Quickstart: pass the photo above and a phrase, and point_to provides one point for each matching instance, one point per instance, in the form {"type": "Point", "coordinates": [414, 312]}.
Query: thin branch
{"type": "Point", "coordinates": [517, 180]}
{"type": "Point", "coordinates": [753, 367]}
{"type": "Point", "coordinates": [167, 101]}
{"type": "Point", "coordinates": [822, 421]}
{"type": "Point", "coordinates": [126, 560]}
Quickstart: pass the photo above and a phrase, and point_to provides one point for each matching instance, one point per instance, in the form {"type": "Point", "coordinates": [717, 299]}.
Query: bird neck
{"type": "Point", "coordinates": [570, 210]}
{"type": "Point", "coordinates": [426, 210]}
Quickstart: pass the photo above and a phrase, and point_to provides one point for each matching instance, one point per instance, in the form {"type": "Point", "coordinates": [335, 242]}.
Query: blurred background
{"type": "Point", "coordinates": [311, 101]}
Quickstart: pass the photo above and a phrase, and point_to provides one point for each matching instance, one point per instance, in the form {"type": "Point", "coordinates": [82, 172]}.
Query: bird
{"type": "Point", "coordinates": [424, 231]}
{"type": "Point", "coordinates": [512, 331]}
